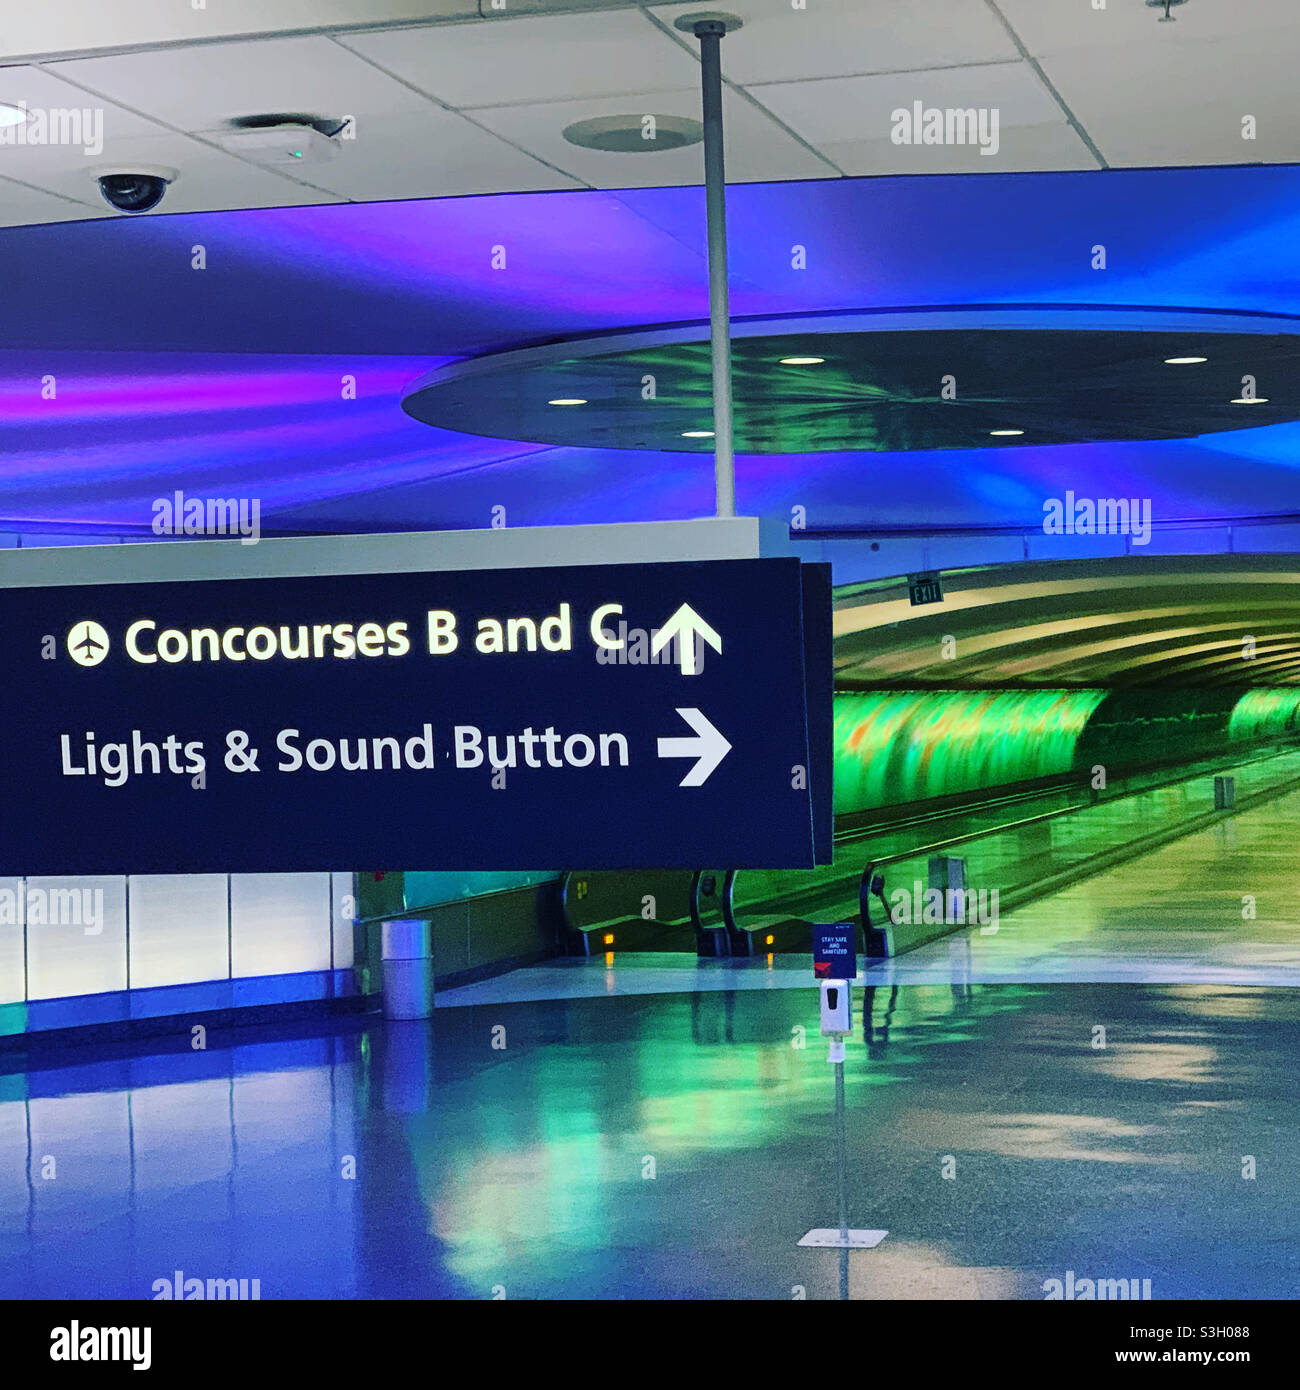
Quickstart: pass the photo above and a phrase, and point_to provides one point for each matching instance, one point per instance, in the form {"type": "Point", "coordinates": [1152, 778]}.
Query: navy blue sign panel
{"type": "Point", "coordinates": [819, 703]}
{"type": "Point", "coordinates": [835, 952]}
{"type": "Point", "coordinates": [667, 715]}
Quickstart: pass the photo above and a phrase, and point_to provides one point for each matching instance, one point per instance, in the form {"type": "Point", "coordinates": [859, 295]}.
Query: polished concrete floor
{"type": "Point", "coordinates": [678, 1146]}
{"type": "Point", "coordinates": [1129, 1108]}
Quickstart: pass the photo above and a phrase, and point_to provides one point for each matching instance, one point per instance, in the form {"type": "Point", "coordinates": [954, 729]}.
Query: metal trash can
{"type": "Point", "coordinates": [946, 873]}
{"type": "Point", "coordinates": [408, 969]}
{"type": "Point", "coordinates": [1225, 793]}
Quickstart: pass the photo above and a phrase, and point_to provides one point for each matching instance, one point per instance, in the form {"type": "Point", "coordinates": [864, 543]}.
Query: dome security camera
{"type": "Point", "coordinates": [134, 189]}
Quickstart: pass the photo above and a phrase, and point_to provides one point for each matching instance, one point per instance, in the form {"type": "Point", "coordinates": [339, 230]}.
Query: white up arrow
{"type": "Point", "coordinates": [686, 624]}
{"type": "Point", "coordinates": [709, 748]}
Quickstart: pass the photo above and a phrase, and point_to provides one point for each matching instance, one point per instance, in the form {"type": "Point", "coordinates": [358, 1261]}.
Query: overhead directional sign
{"type": "Point", "coordinates": [613, 716]}
{"type": "Point", "coordinates": [708, 748]}
{"type": "Point", "coordinates": [684, 628]}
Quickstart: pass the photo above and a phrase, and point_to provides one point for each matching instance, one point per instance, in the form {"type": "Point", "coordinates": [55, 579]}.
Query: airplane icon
{"type": "Point", "coordinates": [92, 647]}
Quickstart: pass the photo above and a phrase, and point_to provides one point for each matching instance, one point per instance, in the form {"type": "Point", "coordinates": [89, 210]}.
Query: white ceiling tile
{"type": "Point", "coordinates": [1021, 149]}
{"type": "Point", "coordinates": [21, 206]}
{"type": "Point", "coordinates": [86, 133]}
{"type": "Point", "coordinates": [430, 154]}
{"type": "Point", "coordinates": [60, 26]}
{"type": "Point", "coordinates": [757, 148]}
{"type": "Point", "coordinates": [212, 180]}
{"type": "Point", "coordinates": [1051, 26]}
{"type": "Point", "coordinates": [40, 90]}
{"type": "Point", "coordinates": [861, 108]}
{"type": "Point", "coordinates": [201, 87]}
{"type": "Point", "coordinates": [838, 38]}
{"type": "Point", "coordinates": [1184, 105]}
{"type": "Point", "coordinates": [833, 72]}
{"type": "Point", "coordinates": [555, 58]}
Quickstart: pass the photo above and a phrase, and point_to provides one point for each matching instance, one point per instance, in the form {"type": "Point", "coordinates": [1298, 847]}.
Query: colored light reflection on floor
{"type": "Point", "coordinates": [675, 1146]}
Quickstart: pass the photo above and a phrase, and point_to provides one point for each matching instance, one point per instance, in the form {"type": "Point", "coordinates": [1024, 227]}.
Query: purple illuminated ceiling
{"type": "Point", "coordinates": [277, 369]}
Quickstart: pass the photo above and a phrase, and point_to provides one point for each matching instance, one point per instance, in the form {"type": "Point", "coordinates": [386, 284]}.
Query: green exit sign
{"type": "Point", "coordinates": [924, 588]}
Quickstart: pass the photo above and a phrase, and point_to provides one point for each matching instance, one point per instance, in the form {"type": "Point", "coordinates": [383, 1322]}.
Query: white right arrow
{"type": "Point", "coordinates": [686, 624]}
{"type": "Point", "coordinates": [708, 747]}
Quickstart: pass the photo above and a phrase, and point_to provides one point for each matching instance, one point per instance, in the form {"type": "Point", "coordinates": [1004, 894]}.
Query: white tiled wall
{"type": "Point", "coordinates": [84, 952]}
{"type": "Point", "coordinates": [180, 929]}
{"type": "Point", "coordinates": [279, 923]}
{"type": "Point", "coordinates": [168, 929]}
{"type": "Point", "coordinates": [12, 984]}
{"type": "Point", "coordinates": [344, 912]}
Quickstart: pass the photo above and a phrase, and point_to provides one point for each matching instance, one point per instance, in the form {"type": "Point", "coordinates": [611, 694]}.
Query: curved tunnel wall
{"type": "Point", "coordinates": [1146, 727]}
{"type": "Point", "coordinates": [1265, 714]}
{"type": "Point", "coordinates": [893, 747]}
{"type": "Point", "coordinates": [897, 746]}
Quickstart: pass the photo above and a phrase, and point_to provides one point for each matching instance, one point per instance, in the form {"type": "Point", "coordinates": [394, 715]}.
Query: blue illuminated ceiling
{"type": "Point", "coordinates": [267, 351]}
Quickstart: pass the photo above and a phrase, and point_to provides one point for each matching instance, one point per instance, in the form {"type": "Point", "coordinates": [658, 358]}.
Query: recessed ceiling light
{"type": "Point", "coordinates": [1000, 433]}
{"type": "Point", "coordinates": [801, 361]}
{"type": "Point", "coordinates": [567, 400]}
{"type": "Point", "coordinates": [11, 115]}
{"type": "Point", "coordinates": [697, 434]}
{"type": "Point", "coordinates": [1250, 400]}
{"type": "Point", "coordinates": [1183, 361]}
{"type": "Point", "coordinates": [635, 133]}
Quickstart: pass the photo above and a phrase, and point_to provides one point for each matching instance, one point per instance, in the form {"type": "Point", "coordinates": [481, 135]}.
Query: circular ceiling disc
{"type": "Point", "coordinates": [895, 390]}
{"type": "Point", "coordinates": [636, 134]}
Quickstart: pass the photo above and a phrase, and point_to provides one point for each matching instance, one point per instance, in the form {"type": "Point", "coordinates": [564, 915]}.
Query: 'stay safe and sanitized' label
{"type": "Point", "coordinates": [835, 952]}
{"type": "Point", "coordinates": [608, 716]}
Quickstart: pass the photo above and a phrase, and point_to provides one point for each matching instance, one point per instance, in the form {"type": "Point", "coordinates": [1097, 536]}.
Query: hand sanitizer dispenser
{"type": "Point", "coordinates": [837, 1007]}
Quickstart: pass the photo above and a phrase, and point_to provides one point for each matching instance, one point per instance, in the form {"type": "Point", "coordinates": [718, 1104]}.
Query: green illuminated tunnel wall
{"type": "Point", "coordinates": [893, 747]}
{"type": "Point", "coordinates": [1264, 714]}
{"type": "Point", "coordinates": [898, 746]}
{"type": "Point", "coordinates": [1145, 727]}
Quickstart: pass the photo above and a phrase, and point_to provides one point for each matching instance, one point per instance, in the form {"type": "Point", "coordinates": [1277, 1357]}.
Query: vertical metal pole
{"type": "Point", "coordinates": [710, 32]}
{"type": "Point", "coordinates": [841, 1158]}
{"type": "Point", "coordinates": [841, 1172]}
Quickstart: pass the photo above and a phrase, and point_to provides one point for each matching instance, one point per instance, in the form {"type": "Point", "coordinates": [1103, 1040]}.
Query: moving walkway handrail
{"type": "Point", "coordinates": [874, 865]}
{"type": "Point", "coordinates": [870, 830]}
{"type": "Point", "coordinates": [938, 845]}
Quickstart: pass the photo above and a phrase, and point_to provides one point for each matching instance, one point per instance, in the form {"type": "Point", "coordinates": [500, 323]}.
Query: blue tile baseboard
{"type": "Point", "coordinates": [125, 1014]}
